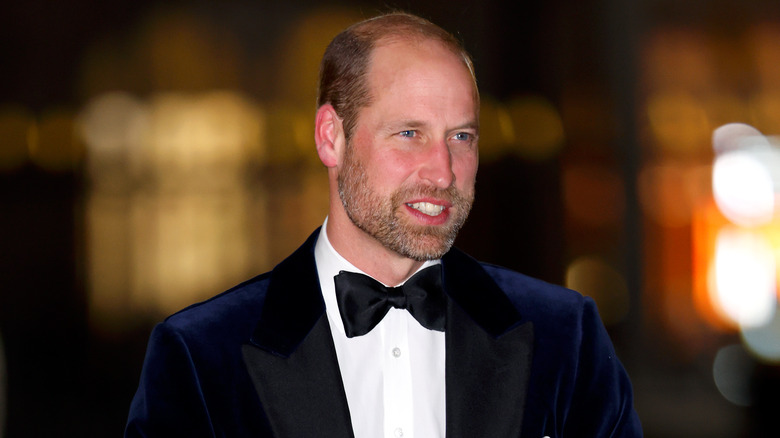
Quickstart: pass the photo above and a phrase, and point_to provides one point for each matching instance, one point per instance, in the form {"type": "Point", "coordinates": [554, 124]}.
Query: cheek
{"type": "Point", "coordinates": [465, 169]}
{"type": "Point", "coordinates": [395, 167]}
{"type": "Point", "coordinates": [386, 173]}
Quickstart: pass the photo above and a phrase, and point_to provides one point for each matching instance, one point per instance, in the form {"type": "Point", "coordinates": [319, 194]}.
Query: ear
{"type": "Point", "coordinates": [328, 135]}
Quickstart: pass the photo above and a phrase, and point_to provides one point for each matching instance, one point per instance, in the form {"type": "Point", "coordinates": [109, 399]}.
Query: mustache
{"type": "Point", "coordinates": [451, 194]}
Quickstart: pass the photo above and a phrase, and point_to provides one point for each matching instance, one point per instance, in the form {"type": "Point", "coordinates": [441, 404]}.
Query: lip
{"type": "Point", "coordinates": [428, 219]}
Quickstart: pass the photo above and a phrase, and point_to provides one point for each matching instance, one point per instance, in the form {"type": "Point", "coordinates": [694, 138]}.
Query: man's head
{"type": "Point", "coordinates": [402, 148]}
{"type": "Point", "coordinates": [345, 63]}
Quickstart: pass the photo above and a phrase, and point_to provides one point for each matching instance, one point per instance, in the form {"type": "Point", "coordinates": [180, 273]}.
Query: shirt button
{"type": "Point", "coordinates": [398, 432]}
{"type": "Point", "coordinates": [397, 353]}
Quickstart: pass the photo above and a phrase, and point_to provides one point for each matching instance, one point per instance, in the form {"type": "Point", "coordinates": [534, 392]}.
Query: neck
{"type": "Point", "coordinates": [366, 253]}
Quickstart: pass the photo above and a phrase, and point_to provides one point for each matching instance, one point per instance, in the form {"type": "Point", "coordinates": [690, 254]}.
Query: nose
{"type": "Point", "coordinates": [437, 165]}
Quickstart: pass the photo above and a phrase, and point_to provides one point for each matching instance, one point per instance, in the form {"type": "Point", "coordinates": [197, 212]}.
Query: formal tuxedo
{"type": "Point", "coordinates": [523, 359]}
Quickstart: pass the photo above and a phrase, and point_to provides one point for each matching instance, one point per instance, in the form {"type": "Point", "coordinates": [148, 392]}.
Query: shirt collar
{"type": "Point", "coordinates": [329, 264]}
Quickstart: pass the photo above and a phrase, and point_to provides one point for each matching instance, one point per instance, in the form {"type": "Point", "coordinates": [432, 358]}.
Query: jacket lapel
{"type": "Point", "coordinates": [488, 354]}
{"type": "Point", "coordinates": [292, 361]}
{"type": "Point", "coordinates": [291, 358]}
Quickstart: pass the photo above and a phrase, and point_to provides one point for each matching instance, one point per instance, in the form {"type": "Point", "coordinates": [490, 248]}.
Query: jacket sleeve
{"type": "Point", "coordinates": [602, 400]}
{"type": "Point", "coordinates": [169, 401]}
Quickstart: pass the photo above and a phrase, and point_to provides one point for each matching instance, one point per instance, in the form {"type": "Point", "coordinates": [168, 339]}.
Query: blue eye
{"type": "Point", "coordinates": [462, 136]}
{"type": "Point", "coordinates": [408, 133]}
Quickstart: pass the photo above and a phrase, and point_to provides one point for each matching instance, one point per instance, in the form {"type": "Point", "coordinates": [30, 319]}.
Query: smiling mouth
{"type": "Point", "coordinates": [427, 208]}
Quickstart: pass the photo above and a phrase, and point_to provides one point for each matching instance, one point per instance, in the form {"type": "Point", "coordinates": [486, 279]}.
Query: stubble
{"type": "Point", "coordinates": [385, 220]}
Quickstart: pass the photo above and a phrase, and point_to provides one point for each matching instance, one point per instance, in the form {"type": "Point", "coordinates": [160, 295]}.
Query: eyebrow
{"type": "Point", "coordinates": [412, 124]}
{"type": "Point", "coordinates": [473, 124]}
{"type": "Point", "coordinates": [401, 124]}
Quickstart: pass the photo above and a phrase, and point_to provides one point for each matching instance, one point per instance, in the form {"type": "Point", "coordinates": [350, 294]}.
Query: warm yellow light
{"type": "Point", "coordinates": [765, 110]}
{"type": "Point", "coordinates": [291, 140]}
{"type": "Point", "coordinates": [706, 222]}
{"type": "Point", "coordinates": [537, 127]}
{"type": "Point", "coordinates": [114, 127]}
{"type": "Point", "coordinates": [183, 51]}
{"type": "Point", "coordinates": [743, 187]}
{"type": "Point", "coordinates": [56, 146]}
{"type": "Point", "coordinates": [679, 123]}
{"type": "Point", "coordinates": [763, 38]}
{"type": "Point", "coordinates": [594, 277]}
{"type": "Point", "coordinates": [669, 192]}
{"type": "Point", "coordinates": [678, 57]}
{"type": "Point", "coordinates": [191, 134]}
{"type": "Point", "coordinates": [16, 125]}
{"type": "Point", "coordinates": [743, 289]}
{"type": "Point", "coordinates": [301, 50]}
{"type": "Point", "coordinates": [496, 132]}
{"type": "Point", "coordinates": [171, 215]}
{"type": "Point", "coordinates": [189, 246]}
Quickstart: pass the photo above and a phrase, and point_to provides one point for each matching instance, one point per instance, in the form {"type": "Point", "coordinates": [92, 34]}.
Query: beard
{"type": "Point", "coordinates": [385, 220]}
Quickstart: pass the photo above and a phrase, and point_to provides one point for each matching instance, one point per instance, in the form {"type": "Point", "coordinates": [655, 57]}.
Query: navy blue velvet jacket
{"type": "Point", "coordinates": [523, 359]}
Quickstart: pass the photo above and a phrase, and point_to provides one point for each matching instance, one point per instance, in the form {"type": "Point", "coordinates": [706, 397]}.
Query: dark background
{"type": "Point", "coordinates": [65, 379]}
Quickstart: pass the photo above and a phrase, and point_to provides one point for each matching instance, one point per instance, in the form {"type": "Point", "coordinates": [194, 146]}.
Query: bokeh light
{"type": "Point", "coordinates": [301, 50]}
{"type": "Point", "coordinates": [732, 372]}
{"type": "Point", "coordinates": [292, 128]}
{"type": "Point", "coordinates": [114, 127]}
{"type": "Point", "coordinates": [737, 136]}
{"type": "Point", "coordinates": [743, 188]}
{"type": "Point", "coordinates": [763, 38]}
{"type": "Point", "coordinates": [744, 277]}
{"type": "Point", "coordinates": [677, 58]}
{"type": "Point", "coordinates": [765, 110]}
{"type": "Point", "coordinates": [200, 171]}
{"type": "Point", "coordinates": [679, 123]}
{"type": "Point", "coordinates": [669, 191]}
{"type": "Point", "coordinates": [188, 245]}
{"type": "Point", "coordinates": [594, 277]}
{"type": "Point", "coordinates": [763, 341]}
{"type": "Point", "coordinates": [496, 131]}
{"type": "Point", "coordinates": [56, 146]}
{"type": "Point", "coordinates": [170, 209]}
{"type": "Point", "coordinates": [725, 106]}
{"type": "Point", "coordinates": [184, 51]}
{"type": "Point", "coordinates": [537, 126]}
{"type": "Point", "coordinates": [16, 126]}
{"type": "Point", "coordinates": [215, 131]}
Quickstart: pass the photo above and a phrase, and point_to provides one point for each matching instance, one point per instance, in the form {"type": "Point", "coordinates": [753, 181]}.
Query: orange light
{"type": "Point", "coordinates": [709, 228]}
{"type": "Point", "coordinates": [706, 222]}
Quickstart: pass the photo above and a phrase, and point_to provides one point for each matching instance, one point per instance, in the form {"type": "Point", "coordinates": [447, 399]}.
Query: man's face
{"type": "Point", "coordinates": [407, 176]}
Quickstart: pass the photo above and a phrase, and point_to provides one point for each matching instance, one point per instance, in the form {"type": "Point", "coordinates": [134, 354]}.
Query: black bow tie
{"type": "Point", "coordinates": [363, 301]}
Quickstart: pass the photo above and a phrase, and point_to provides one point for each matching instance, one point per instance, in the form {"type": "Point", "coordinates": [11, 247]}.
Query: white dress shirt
{"type": "Point", "coordinates": [394, 375]}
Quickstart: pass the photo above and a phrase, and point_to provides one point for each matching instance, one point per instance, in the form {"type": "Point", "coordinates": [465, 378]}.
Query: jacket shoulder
{"type": "Point", "coordinates": [527, 292]}
{"type": "Point", "coordinates": [237, 307]}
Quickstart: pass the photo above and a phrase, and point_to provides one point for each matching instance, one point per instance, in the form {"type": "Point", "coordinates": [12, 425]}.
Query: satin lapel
{"type": "Point", "coordinates": [302, 395]}
{"type": "Point", "coordinates": [489, 352]}
{"type": "Point", "coordinates": [291, 357]}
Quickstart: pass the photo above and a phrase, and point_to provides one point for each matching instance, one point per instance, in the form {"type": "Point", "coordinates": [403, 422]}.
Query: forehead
{"type": "Point", "coordinates": [403, 64]}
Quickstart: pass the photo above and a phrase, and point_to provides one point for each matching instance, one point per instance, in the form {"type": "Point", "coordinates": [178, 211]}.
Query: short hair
{"type": "Point", "coordinates": [343, 72]}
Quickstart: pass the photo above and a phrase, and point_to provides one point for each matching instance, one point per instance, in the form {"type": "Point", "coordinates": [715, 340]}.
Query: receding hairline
{"type": "Point", "coordinates": [348, 59]}
{"type": "Point", "coordinates": [400, 39]}
{"type": "Point", "coordinates": [417, 37]}
{"type": "Point", "coordinates": [399, 27]}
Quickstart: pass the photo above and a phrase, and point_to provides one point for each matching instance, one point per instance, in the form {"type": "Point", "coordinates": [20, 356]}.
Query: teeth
{"type": "Point", "coordinates": [427, 208]}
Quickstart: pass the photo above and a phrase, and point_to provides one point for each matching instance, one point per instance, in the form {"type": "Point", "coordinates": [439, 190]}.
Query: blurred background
{"type": "Point", "coordinates": [153, 154]}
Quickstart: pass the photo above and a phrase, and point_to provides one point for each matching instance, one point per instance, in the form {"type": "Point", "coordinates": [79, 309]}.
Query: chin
{"type": "Point", "coordinates": [423, 246]}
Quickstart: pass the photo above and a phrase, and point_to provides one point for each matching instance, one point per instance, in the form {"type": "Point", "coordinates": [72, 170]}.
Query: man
{"type": "Point", "coordinates": [461, 350]}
